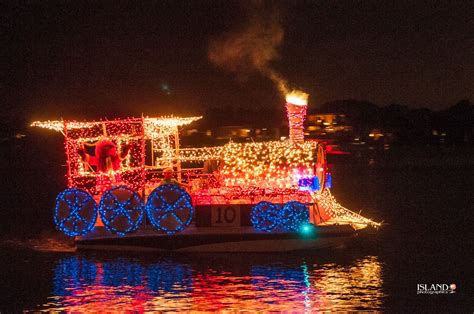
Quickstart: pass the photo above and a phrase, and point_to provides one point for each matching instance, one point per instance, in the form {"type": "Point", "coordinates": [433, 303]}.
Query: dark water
{"type": "Point", "coordinates": [426, 199]}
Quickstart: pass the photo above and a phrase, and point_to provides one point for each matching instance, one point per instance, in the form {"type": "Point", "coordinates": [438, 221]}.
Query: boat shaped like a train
{"type": "Point", "coordinates": [132, 187]}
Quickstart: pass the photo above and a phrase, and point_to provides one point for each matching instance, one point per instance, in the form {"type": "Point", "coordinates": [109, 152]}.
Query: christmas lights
{"type": "Point", "coordinates": [169, 208]}
{"type": "Point", "coordinates": [328, 184]}
{"type": "Point", "coordinates": [152, 124]}
{"type": "Point", "coordinates": [202, 153]}
{"type": "Point", "coordinates": [338, 213]}
{"type": "Point", "coordinates": [123, 133]}
{"type": "Point", "coordinates": [296, 105]}
{"type": "Point", "coordinates": [293, 215]}
{"type": "Point", "coordinates": [289, 172]}
{"type": "Point", "coordinates": [320, 168]}
{"type": "Point", "coordinates": [273, 165]}
{"type": "Point", "coordinates": [121, 210]}
{"type": "Point", "coordinates": [265, 216]}
{"type": "Point", "coordinates": [75, 212]}
{"type": "Point", "coordinates": [309, 184]}
{"type": "Point", "coordinates": [250, 170]}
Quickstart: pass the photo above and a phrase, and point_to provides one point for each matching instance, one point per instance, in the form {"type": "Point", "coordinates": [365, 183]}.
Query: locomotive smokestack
{"type": "Point", "coordinates": [296, 105]}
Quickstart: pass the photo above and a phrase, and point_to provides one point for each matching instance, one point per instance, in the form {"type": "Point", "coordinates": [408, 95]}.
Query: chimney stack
{"type": "Point", "coordinates": [296, 105]}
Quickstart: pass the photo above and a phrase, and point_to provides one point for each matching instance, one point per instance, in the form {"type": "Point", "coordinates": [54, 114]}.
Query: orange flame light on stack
{"type": "Point", "coordinates": [296, 105]}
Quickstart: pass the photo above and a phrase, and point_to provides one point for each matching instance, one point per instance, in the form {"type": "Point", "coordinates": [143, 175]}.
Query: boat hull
{"type": "Point", "coordinates": [218, 240]}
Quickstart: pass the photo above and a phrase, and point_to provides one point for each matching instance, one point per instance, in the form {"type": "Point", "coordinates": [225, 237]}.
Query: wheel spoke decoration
{"type": "Point", "coordinates": [265, 216]}
{"type": "Point", "coordinates": [293, 215]}
{"type": "Point", "coordinates": [121, 210]}
{"type": "Point", "coordinates": [75, 212]}
{"type": "Point", "coordinates": [169, 208]}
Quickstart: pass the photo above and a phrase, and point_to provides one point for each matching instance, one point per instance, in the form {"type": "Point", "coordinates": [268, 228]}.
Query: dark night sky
{"type": "Point", "coordinates": [95, 58]}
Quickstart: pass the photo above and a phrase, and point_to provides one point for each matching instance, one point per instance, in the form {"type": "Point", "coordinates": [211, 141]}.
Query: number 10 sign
{"type": "Point", "coordinates": [225, 216]}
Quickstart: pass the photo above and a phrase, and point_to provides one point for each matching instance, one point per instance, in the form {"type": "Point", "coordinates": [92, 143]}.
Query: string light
{"type": "Point", "coordinates": [272, 165]}
{"type": "Point", "coordinates": [338, 213]}
{"type": "Point", "coordinates": [121, 210]}
{"type": "Point", "coordinates": [130, 132]}
{"type": "Point", "coordinates": [293, 215]}
{"type": "Point", "coordinates": [254, 172]}
{"type": "Point", "coordinates": [328, 184]}
{"type": "Point", "coordinates": [169, 208]}
{"type": "Point", "coordinates": [152, 123]}
{"type": "Point", "coordinates": [296, 105]}
{"type": "Point", "coordinates": [75, 212]}
{"type": "Point", "coordinates": [248, 172]}
{"type": "Point", "coordinates": [265, 216]}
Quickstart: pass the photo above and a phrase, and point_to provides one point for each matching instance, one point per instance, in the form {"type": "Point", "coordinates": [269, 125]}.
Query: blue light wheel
{"type": "Point", "coordinates": [265, 216]}
{"type": "Point", "coordinates": [75, 212]}
{"type": "Point", "coordinates": [169, 208]}
{"type": "Point", "coordinates": [121, 210]}
{"type": "Point", "coordinates": [294, 215]}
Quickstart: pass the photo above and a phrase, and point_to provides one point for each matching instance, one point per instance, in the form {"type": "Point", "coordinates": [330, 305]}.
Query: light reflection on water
{"type": "Point", "coordinates": [83, 284]}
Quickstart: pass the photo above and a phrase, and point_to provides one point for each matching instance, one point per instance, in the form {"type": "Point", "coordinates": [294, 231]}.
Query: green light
{"type": "Point", "coordinates": [307, 229]}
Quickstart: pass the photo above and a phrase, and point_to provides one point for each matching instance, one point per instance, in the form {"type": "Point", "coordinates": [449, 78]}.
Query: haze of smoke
{"type": "Point", "coordinates": [253, 47]}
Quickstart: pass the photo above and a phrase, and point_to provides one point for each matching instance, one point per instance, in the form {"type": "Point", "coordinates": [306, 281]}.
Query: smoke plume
{"type": "Point", "coordinates": [253, 46]}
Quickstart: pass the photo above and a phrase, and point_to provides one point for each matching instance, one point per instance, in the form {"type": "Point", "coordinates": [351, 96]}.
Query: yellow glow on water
{"type": "Point", "coordinates": [81, 285]}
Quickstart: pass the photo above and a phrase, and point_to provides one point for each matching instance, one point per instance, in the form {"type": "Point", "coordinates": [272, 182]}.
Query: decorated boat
{"type": "Point", "coordinates": [239, 197]}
